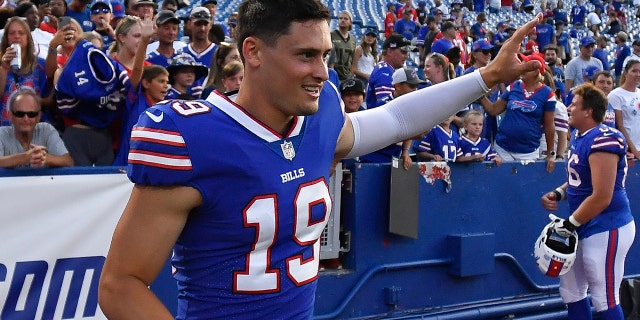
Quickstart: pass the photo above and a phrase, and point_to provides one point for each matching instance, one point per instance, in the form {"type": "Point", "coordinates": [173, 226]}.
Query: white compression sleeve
{"type": "Point", "coordinates": [412, 113]}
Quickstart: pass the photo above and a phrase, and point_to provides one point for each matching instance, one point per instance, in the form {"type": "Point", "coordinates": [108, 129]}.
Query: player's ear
{"type": "Point", "coordinates": [251, 47]}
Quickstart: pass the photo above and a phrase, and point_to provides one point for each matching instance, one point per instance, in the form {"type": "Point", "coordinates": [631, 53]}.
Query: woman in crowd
{"type": "Point", "coordinates": [528, 106]}
{"type": "Point", "coordinates": [366, 56]}
{"type": "Point", "coordinates": [625, 100]}
{"type": "Point", "coordinates": [32, 70]}
{"type": "Point", "coordinates": [225, 53]}
{"type": "Point", "coordinates": [128, 41]}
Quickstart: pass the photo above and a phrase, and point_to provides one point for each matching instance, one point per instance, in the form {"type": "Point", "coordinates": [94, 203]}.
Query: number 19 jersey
{"type": "Point", "coordinates": [251, 249]}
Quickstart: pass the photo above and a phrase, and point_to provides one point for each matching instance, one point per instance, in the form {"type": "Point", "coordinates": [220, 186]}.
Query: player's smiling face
{"type": "Point", "coordinates": [294, 69]}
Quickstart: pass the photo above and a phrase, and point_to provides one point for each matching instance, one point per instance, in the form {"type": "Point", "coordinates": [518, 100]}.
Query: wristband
{"type": "Point", "coordinates": [53, 51]}
{"type": "Point", "coordinates": [574, 221]}
{"type": "Point", "coordinates": [560, 194]}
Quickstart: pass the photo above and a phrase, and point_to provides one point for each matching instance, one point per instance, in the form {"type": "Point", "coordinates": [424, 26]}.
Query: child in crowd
{"type": "Point", "coordinates": [440, 144]}
{"type": "Point", "coordinates": [183, 71]}
{"type": "Point", "coordinates": [101, 16]}
{"type": "Point", "coordinates": [151, 90]}
{"type": "Point", "coordinates": [471, 146]}
{"type": "Point", "coordinates": [232, 75]}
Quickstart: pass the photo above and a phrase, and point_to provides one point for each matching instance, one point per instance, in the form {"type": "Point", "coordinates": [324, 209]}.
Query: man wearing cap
{"type": "Point", "coordinates": [478, 31]}
{"type": "Point", "coordinates": [199, 46]}
{"type": "Point", "coordinates": [403, 81]}
{"type": "Point", "coordinates": [79, 10]}
{"type": "Point", "coordinates": [145, 9]}
{"type": "Point", "coordinates": [101, 18]}
{"type": "Point", "coordinates": [445, 43]}
{"type": "Point", "coordinates": [406, 26]}
{"type": "Point", "coordinates": [212, 5]}
{"type": "Point", "coordinates": [395, 50]}
{"type": "Point", "coordinates": [162, 51]}
{"type": "Point", "coordinates": [575, 67]}
{"type": "Point", "coordinates": [344, 45]}
{"type": "Point", "coordinates": [422, 12]}
{"type": "Point", "coordinates": [352, 93]}
{"type": "Point", "coordinates": [622, 52]}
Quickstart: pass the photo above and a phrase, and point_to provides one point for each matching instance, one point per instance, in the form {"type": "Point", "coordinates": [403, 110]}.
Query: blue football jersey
{"type": "Point", "coordinates": [252, 247]}
{"type": "Point", "coordinates": [467, 148]}
{"type": "Point", "coordinates": [521, 127]}
{"type": "Point", "coordinates": [440, 142]}
{"type": "Point", "coordinates": [92, 87]}
{"type": "Point", "coordinates": [156, 57]}
{"type": "Point", "coordinates": [599, 139]}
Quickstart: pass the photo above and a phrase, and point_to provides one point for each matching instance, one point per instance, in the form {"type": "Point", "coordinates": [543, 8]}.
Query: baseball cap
{"type": "Point", "coordinates": [502, 24]}
{"type": "Point", "coordinates": [622, 36]}
{"type": "Point", "coordinates": [535, 57]}
{"type": "Point", "coordinates": [397, 41]}
{"type": "Point", "coordinates": [166, 16]}
{"type": "Point", "coordinates": [209, 1]}
{"type": "Point", "coordinates": [145, 3]}
{"type": "Point", "coordinates": [104, 3]}
{"type": "Point", "coordinates": [406, 75]}
{"type": "Point", "coordinates": [117, 9]}
{"type": "Point", "coordinates": [200, 14]}
{"type": "Point", "coordinates": [589, 71]}
{"type": "Point", "coordinates": [353, 85]}
{"type": "Point", "coordinates": [586, 41]}
{"type": "Point", "coordinates": [636, 42]}
{"type": "Point", "coordinates": [481, 44]}
{"type": "Point", "coordinates": [186, 60]}
{"type": "Point", "coordinates": [370, 30]}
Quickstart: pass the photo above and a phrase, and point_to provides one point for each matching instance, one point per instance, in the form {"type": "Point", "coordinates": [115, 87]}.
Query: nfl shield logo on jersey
{"type": "Point", "coordinates": [287, 150]}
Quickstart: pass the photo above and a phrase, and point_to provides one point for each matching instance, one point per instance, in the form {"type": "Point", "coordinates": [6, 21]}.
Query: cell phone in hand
{"type": "Point", "coordinates": [63, 22]}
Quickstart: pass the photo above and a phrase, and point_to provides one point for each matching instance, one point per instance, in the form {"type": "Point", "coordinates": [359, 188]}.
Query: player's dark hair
{"type": "Point", "coordinates": [270, 19]}
{"type": "Point", "coordinates": [594, 99]}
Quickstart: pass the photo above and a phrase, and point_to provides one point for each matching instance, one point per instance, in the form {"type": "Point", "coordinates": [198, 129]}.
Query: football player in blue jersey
{"type": "Point", "coordinates": [236, 187]}
{"type": "Point", "coordinates": [599, 206]}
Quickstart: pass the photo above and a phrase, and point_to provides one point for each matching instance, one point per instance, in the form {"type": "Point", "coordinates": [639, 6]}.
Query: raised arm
{"type": "Point", "coordinates": [148, 29]}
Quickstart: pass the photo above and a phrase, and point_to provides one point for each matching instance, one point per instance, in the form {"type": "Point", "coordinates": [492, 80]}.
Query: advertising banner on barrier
{"type": "Point", "coordinates": [55, 232]}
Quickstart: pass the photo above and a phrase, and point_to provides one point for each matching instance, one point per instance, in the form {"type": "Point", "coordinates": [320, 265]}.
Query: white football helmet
{"type": "Point", "coordinates": [555, 254]}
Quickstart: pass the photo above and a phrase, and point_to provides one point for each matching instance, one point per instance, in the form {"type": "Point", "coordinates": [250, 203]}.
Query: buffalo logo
{"type": "Point", "coordinates": [524, 105]}
{"type": "Point", "coordinates": [287, 150]}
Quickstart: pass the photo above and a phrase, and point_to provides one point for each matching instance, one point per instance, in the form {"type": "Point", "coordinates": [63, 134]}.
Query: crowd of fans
{"type": "Point", "coordinates": [97, 65]}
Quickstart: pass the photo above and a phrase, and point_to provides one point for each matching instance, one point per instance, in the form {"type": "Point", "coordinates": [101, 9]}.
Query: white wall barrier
{"type": "Point", "coordinates": [55, 231]}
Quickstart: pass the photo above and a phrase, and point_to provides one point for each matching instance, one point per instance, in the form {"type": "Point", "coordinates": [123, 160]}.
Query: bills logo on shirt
{"type": "Point", "coordinates": [287, 150]}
